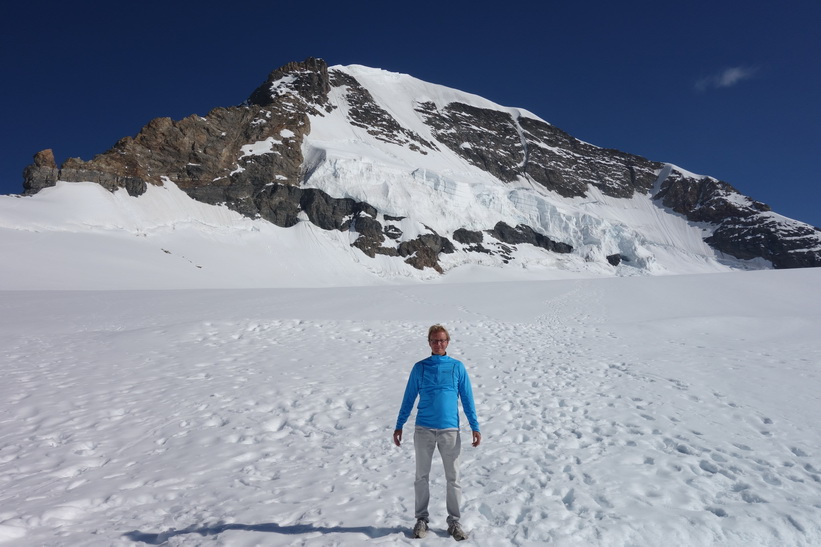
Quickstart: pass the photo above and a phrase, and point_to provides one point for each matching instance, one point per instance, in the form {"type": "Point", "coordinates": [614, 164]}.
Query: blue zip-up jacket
{"type": "Point", "coordinates": [438, 381]}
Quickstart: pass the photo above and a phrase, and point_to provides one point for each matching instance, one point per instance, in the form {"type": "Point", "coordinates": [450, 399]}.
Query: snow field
{"type": "Point", "coordinates": [614, 412]}
{"type": "Point", "coordinates": [81, 236]}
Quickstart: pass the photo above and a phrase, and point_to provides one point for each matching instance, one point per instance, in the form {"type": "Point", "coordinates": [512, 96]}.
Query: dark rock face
{"type": "Point", "coordinates": [472, 240]}
{"type": "Point", "coordinates": [553, 153]}
{"type": "Point", "coordinates": [296, 84]}
{"type": "Point", "coordinates": [423, 252]}
{"type": "Point", "coordinates": [40, 174]}
{"type": "Point", "coordinates": [785, 244]}
{"type": "Point", "coordinates": [467, 236]}
{"type": "Point", "coordinates": [616, 259]}
{"type": "Point", "coordinates": [525, 234]}
{"type": "Point", "coordinates": [744, 228]}
{"type": "Point", "coordinates": [486, 138]}
{"type": "Point", "coordinates": [704, 200]}
{"type": "Point", "coordinates": [511, 148]}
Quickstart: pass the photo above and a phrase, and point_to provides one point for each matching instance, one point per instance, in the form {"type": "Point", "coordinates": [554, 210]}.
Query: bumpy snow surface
{"type": "Point", "coordinates": [676, 410]}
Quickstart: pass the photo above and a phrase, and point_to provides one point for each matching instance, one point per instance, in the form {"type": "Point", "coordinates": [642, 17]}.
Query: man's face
{"type": "Point", "coordinates": [438, 343]}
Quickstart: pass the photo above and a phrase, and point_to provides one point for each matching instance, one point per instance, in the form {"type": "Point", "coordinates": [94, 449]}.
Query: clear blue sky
{"type": "Point", "coordinates": [727, 89]}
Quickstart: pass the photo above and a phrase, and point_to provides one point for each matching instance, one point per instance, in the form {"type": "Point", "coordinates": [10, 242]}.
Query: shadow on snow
{"type": "Point", "coordinates": [295, 529]}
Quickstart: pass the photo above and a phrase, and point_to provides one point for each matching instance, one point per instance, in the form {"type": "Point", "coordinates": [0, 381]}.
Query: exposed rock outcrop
{"type": "Point", "coordinates": [40, 174]}
{"type": "Point", "coordinates": [742, 227]}
{"type": "Point", "coordinates": [226, 156]}
{"type": "Point", "coordinates": [296, 85]}
{"type": "Point", "coordinates": [510, 148]}
{"type": "Point", "coordinates": [525, 234]}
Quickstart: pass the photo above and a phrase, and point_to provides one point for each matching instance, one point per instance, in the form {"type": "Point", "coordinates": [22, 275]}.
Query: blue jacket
{"type": "Point", "coordinates": [438, 381]}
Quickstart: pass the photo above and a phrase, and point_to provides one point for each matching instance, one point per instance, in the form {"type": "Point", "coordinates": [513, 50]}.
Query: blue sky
{"type": "Point", "coordinates": [727, 89]}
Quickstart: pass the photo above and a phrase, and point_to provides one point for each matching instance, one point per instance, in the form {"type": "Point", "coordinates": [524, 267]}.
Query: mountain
{"type": "Point", "coordinates": [437, 178]}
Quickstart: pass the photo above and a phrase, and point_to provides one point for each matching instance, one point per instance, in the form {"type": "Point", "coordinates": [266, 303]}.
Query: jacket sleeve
{"type": "Point", "coordinates": [466, 395]}
{"type": "Point", "coordinates": [411, 392]}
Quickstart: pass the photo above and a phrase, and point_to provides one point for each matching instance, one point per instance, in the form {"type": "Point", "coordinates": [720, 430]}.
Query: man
{"type": "Point", "coordinates": [439, 381]}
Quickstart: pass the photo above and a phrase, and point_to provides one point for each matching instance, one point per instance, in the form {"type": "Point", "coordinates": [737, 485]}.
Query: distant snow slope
{"type": "Point", "coordinates": [81, 236]}
{"type": "Point", "coordinates": [672, 410]}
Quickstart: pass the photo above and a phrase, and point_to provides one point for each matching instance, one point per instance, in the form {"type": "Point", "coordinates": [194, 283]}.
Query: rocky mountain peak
{"type": "Point", "coordinates": [250, 158]}
{"type": "Point", "coordinates": [307, 80]}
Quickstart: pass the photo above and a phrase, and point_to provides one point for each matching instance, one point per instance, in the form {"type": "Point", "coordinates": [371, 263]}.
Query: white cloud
{"type": "Point", "coordinates": [726, 78]}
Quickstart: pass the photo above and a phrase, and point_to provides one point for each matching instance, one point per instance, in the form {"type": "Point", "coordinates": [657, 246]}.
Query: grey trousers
{"type": "Point", "coordinates": [449, 443]}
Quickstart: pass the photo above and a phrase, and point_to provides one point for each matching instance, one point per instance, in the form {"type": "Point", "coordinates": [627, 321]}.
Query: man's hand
{"type": "Point", "coordinates": [477, 438]}
{"type": "Point", "coordinates": [397, 437]}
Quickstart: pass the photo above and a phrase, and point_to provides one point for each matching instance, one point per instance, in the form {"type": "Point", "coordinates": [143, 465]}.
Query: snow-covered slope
{"type": "Point", "coordinates": [81, 236]}
{"type": "Point", "coordinates": [668, 410]}
{"type": "Point", "coordinates": [443, 191]}
{"type": "Point", "coordinates": [91, 238]}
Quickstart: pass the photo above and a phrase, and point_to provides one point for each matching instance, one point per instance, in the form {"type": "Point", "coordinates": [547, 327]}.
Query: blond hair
{"type": "Point", "coordinates": [437, 328]}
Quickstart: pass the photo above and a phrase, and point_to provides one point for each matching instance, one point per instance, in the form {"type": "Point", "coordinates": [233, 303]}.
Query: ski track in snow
{"type": "Point", "coordinates": [203, 428]}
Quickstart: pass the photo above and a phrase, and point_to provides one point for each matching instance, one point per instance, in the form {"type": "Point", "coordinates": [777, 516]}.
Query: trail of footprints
{"type": "Point", "coordinates": [565, 418]}
{"type": "Point", "coordinates": [572, 434]}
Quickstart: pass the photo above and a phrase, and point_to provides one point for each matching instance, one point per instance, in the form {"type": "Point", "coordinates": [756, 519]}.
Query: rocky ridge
{"type": "Point", "coordinates": [249, 158]}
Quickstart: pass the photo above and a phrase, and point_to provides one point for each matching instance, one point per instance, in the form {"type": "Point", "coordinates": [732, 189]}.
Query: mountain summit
{"type": "Point", "coordinates": [439, 178]}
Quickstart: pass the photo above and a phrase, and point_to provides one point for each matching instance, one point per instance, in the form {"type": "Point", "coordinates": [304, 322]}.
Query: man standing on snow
{"type": "Point", "coordinates": [439, 381]}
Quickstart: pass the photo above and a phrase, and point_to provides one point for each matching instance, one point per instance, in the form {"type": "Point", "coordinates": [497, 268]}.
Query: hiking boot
{"type": "Point", "coordinates": [421, 529]}
{"type": "Point", "coordinates": [456, 531]}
